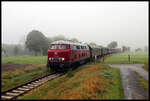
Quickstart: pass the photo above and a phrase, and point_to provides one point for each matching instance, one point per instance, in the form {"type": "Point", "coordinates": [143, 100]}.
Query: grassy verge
{"type": "Point", "coordinates": [144, 83]}
{"type": "Point", "coordinates": [26, 60]}
{"type": "Point", "coordinates": [116, 91]}
{"type": "Point", "coordinates": [91, 81]}
{"type": "Point", "coordinates": [18, 76]}
{"type": "Point", "coordinates": [146, 66]}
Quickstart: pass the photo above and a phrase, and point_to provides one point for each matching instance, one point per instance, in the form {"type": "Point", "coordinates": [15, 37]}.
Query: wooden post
{"type": "Point", "coordinates": [103, 58]}
{"type": "Point", "coordinates": [129, 58]}
{"type": "Point", "coordinates": [95, 58]}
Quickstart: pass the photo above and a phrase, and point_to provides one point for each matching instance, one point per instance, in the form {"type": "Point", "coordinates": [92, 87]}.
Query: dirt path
{"type": "Point", "coordinates": [132, 89]}
{"type": "Point", "coordinates": [12, 66]}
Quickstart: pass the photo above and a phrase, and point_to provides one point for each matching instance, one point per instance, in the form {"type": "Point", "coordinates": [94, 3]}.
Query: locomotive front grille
{"type": "Point", "coordinates": [56, 59]}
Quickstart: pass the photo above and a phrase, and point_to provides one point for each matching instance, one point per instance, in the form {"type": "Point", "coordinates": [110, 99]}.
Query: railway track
{"type": "Point", "coordinates": [13, 93]}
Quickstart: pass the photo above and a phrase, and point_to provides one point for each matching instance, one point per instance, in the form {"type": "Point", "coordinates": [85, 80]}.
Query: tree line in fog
{"type": "Point", "coordinates": [36, 43]}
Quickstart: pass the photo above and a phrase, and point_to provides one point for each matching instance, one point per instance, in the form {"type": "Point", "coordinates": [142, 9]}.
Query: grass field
{"type": "Point", "coordinates": [91, 81]}
{"type": "Point", "coordinates": [26, 60]}
{"type": "Point", "coordinates": [122, 58]}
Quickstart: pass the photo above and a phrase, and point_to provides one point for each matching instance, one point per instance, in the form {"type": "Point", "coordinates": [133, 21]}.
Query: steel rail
{"type": "Point", "coordinates": [21, 89]}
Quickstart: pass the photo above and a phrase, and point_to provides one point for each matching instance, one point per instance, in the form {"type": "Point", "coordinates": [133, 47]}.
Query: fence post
{"type": "Point", "coordinates": [129, 58]}
{"type": "Point", "coordinates": [95, 58]}
{"type": "Point", "coordinates": [103, 58]}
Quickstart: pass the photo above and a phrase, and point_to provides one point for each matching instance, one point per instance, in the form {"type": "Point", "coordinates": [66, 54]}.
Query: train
{"type": "Point", "coordinates": [63, 55]}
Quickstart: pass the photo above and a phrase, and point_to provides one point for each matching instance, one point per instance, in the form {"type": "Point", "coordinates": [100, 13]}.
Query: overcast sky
{"type": "Point", "coordinates": [99, 22]}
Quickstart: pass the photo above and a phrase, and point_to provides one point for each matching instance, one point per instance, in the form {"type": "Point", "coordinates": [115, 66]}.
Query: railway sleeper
{"type": "Point", "coordinates": [6, 97]}
{"type": "Point", "coordinates": [13, 94]}
{"type": "Point", "coordinates": [33, 85]}
{"type": "Point", "coordinates": [24, 89]}
{"type": "Point", "coordinates": [18, 91]}
{"type": "Point", "coordinates": [28, 87]}
{"type": "Point", "coordinates": [36, 83]}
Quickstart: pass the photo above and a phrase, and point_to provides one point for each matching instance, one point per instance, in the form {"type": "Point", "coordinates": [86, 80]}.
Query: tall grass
{"type": "Point", "coordinates": [87, 82]}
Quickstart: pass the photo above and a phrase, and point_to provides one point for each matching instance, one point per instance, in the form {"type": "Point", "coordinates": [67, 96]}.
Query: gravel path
{"type": "Point", "coordinates": [132, 89]}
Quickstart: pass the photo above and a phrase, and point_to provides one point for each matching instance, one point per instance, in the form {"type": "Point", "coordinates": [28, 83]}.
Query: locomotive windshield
{"type": "Point", "coordinates": [57, 46]}
{"type": "Point", "coordinates": [52, 46]}
{"type": "Point", "coordinates": [61, 46]}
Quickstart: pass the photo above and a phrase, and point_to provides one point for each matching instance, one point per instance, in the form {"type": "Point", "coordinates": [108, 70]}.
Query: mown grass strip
{"type": "Point", "coordinates": [116, 91]}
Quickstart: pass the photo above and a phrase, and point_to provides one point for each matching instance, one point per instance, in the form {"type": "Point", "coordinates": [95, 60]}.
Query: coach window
{"type": "Point", "coordinates": [74, 47]}
{"type": "Point", "coordinates": [78, 47]}
{"type": "Point", "coordinates": [52, 46]}
{"type": "Point", "coordinates": [85, 47]}
{"type": "Point", "coordinates": [62, 47]}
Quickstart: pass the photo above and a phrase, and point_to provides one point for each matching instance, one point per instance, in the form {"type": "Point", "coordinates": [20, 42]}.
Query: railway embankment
{"type": "Point", "coordinates": [90, 81]}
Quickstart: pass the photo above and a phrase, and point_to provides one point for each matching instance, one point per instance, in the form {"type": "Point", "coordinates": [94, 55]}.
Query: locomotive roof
{"type": "Point", "coordinates": [67, 42]}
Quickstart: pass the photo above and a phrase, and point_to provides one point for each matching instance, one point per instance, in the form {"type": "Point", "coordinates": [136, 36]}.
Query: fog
{"type": "Point", "coordinates": [99, 22]}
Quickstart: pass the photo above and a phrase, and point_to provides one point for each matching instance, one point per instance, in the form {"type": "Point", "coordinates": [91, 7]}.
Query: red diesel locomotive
{"type": "Point", "coordinates": [65, 54]}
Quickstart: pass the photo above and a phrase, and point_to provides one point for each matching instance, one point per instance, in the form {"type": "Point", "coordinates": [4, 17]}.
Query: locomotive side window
{"type": "Point", "coordinates": [72, 47]}
{"type": "Point", "coordinates": [62, 46]}
{"type": "Point", "coordinates": [52, 47]}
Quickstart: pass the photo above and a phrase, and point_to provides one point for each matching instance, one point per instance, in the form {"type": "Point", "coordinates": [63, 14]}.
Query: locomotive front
{"type": "Point", "coordinates": [58, 56]}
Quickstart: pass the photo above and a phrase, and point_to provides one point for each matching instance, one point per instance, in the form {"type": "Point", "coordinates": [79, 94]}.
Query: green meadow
{"type": "Point", "coordinates": [122, 58]}
{"type": "Point", "coordinates": [26, 60]}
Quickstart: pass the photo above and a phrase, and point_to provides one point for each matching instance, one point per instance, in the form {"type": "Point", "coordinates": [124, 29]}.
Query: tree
{"type": "Point", "coordinates": [124, 48]}
{"type": "Point", "coordinates": [128, 49]}
{"type": "Point", "coordinates": [113, 44]}
{"type": "Point", "coordinates": [59, 37]}
{"type": "Point", "coordinates": [138, 50]}
{"type": "Point", "coordinates": [74, 40]}
{"type": "Point", "coordinates": [37, 42]}
{"type": "Point", "coordinates": [92, 44]}
{"type": "Point", "coordinates": [16, 50]}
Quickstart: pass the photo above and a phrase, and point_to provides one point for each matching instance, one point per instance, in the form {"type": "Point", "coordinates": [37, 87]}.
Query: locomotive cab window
{"type": "Point", "coordinates": [52, 46]}
{"type": "Point", "coordinates": [61, 46]}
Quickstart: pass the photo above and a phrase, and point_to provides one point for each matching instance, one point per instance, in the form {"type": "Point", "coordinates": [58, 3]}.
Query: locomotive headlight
{"type": "Point", "coordinates": [63, 59]}
{"type": "Point", "coordinates": [50, 58]}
